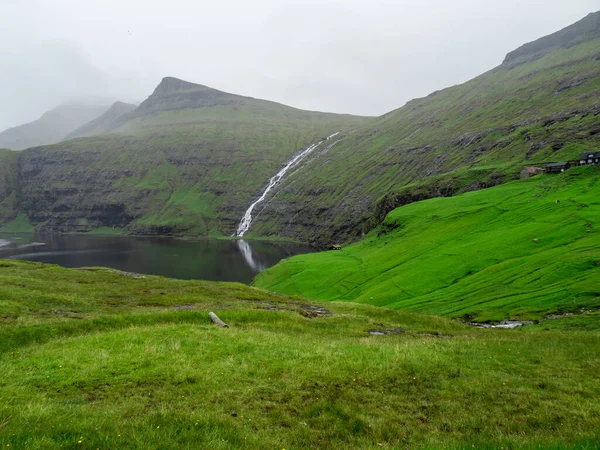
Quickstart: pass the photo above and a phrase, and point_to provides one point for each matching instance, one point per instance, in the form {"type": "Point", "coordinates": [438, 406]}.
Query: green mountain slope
{"type": "Point", "coordinates": [521, 250]}
{"type": "Point", "coordinates": [96, 358]}
{"type": "Point", "coordinates": [8, 184]}
{"type": "Point", "coordinates": [541, 105]}
{"type": "Point", "coordinates": [53, 126]}
{"type": "Point", "coordinates": [106, 123]}
{"type": "Point", "coordinates": [188, 160]}
{"type": "Point", "coordinates": [191, 159]}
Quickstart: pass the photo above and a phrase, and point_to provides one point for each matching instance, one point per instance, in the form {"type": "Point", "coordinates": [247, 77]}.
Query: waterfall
{"type": "Point", "coordinates": [246, 221]}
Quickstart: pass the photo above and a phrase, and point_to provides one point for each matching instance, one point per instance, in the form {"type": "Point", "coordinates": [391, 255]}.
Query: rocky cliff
{"type": "Point", "coordinates": [188, 160]}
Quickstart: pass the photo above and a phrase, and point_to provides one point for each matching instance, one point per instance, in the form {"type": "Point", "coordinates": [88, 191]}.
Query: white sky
{"type": "Point", "coordinates": [355, 56]}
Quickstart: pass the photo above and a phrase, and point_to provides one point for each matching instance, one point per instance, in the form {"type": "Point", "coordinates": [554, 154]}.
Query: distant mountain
{"type": "Point", "coordinates": [107, 122]}
{"type": "Point", "coordinates": [188, 160]}
{"type": "Point", "coordinates": [52, 127]}
{"type": "Point", "coordinates": [191, 159]}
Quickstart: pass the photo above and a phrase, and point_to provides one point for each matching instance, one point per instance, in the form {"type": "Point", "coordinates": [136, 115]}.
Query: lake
{"type": "Point", "coordinates": [215, 260]}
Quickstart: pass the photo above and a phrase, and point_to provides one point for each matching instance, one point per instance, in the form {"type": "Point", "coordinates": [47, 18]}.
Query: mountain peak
{"type": "Point", "coordinates": [175, 94]}
{"type": "Point", "coordinates": [585, 30]}
{"type": "Point", "coordinates": [170, 85]}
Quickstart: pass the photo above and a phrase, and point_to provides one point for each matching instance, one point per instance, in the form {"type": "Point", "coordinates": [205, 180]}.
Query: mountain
{"type": "Point", "coordinates": [107, 122]}
{"type": "Point", "coordinates": [191, 159]}
{"type": "Point", "coordinates": [52, 127]}
{"type": "Point", "coordinates": [585, 30]}
{"type": "Point", "coordinates": [522, 250]}
{"type": "Point", "coordinates": [188, 160]}
{"type": "Point", "coordinates": [541, 105]}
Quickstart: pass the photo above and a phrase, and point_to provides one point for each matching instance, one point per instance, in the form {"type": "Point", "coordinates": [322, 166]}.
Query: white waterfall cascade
{"type": "Point", "coordinates": [246, 221]}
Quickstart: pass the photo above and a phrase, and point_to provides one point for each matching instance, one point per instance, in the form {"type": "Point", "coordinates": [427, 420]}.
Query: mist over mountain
{"type": "Point", "coordinates": [41, 77]}
{"type": "Point", "coordinates": [108, 121]}
{"type": "Point", "coordinates": [53, 126]}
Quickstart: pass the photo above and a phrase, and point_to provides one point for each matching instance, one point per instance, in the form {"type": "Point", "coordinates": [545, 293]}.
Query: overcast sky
{"type": "Point", "coordinates": [356, 56]}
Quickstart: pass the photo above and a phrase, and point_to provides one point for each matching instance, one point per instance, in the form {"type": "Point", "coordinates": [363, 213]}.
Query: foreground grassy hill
{"type": "Point", "coordinates": [187, 160]}
{"type": "Point", "coordinates": [97, 358]}
{"type": "Point", "coordinates": [541, 105]}
{"type": "Point", "coordinates": [521, 250]}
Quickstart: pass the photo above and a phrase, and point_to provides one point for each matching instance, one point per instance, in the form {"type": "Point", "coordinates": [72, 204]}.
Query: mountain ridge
{"type": "Point", "coordinates": [191, 159]}
{"type": "Point", "coordinates": [582, 31]}
{"type": "Point", "coordinates": [111, 119]}
{"type": "Point", "coordinates": [187, 160]}
{"type": "Point", "coordinates": [53, 126]}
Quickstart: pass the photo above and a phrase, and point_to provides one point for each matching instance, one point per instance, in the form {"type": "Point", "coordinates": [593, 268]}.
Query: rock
{"type": "Point", "coordinates": [573, 83]}
{"type": "Point", "coordinates": [535, 241]}
{"type": "Point", "coordinates": [383, 332]}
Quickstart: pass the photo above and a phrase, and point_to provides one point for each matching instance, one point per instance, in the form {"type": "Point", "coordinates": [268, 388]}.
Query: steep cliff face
{"type": "Point", "coordinates": [188, 160]}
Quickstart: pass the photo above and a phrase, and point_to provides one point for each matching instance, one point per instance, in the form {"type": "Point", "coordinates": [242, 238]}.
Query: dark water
{"type": "Point", "coordinates": [215, 260]}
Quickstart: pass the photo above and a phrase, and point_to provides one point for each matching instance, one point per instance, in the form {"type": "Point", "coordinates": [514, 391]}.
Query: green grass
{"type": "Point", "coordinates": [19, 224]}
{"type": "Point", "coordinates": [97, 359]}
{"type": "Point", "coordinates": [473, 255]}
{"type": "Point", "coordinates": [436, 146]}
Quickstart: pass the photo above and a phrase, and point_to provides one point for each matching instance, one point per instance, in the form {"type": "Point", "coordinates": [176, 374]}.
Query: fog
{"type": "Point", "coordinates": [354, 56]}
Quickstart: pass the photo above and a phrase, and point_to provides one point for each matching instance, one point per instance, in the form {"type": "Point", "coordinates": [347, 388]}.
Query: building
{"type": "Point", "coordinates": [528, 172]}
{"type": "Point", "coordinates": [589, 158]}
{"type": "Point", "coordinates": [557, 167]}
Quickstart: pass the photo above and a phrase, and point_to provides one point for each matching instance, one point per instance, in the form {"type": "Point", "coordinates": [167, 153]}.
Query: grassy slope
{"type": "Point", "coordinates": [473, 254]}
{"type": "Point", "coordinates": [8, 184]}
{"type": "Point", "coordinates": [95, 359]}
{"type": "Point", "coordinates": [183, 162]}
{"type": "Point", "coordinates": [465, 137]}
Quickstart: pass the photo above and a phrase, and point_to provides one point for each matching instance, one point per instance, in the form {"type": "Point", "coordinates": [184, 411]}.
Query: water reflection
{"type": "Point", "coordinates": [217, 260]}
{"type": "Point", "coordinates": [247, 254]}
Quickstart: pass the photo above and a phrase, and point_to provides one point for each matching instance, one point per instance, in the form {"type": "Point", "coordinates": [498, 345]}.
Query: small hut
{"type": "Point", "coordinates": [558, 167]}
{"type": "Point", "coordinates": [335, 247]}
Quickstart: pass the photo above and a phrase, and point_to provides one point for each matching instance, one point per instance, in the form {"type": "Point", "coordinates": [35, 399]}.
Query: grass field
{"type": "Point", "coordinates": [521, 250]}
{"type": "Point", "coordinates": [100, 359]}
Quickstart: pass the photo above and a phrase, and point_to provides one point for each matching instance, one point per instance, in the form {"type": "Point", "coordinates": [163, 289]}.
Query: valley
{"type": "Point", "coordinates": [458, 305]}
